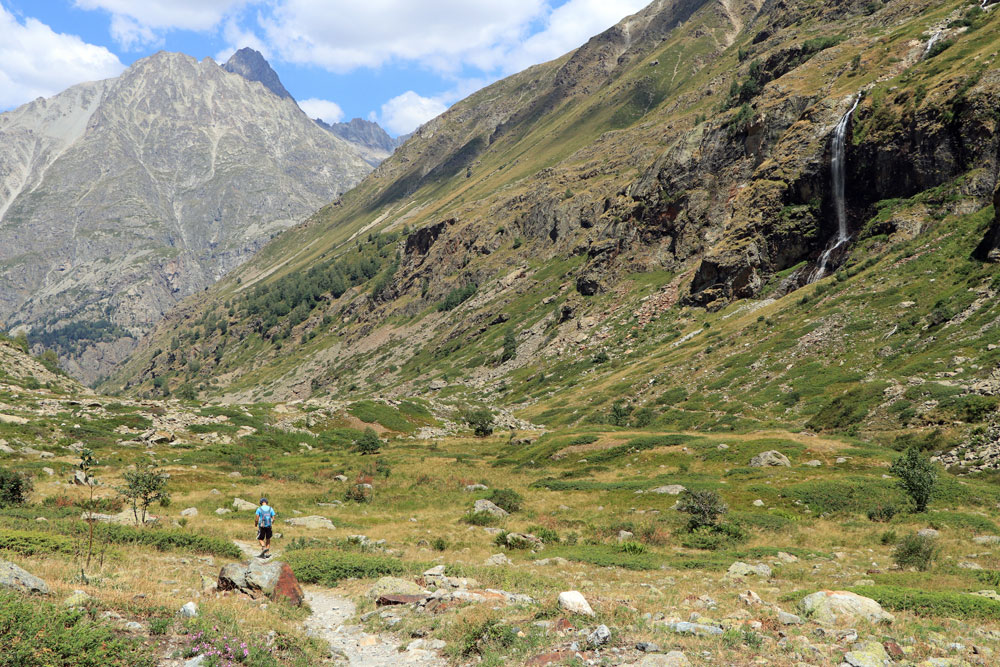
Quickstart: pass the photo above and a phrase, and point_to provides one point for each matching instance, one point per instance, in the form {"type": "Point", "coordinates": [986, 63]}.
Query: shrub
{"type": "Point", "coordinates": [481, 421]}
{"type": "Point", "coordinates": [506, 499]}
{"type": "Point", "coordinates": [327, 566]}
{"type": "Point", "coordinates": [456, 297]}
{"type": "Point", "coordinates": [546, 535]}
{"type": "Point", "coordinates": [481, 636]}
{"type": "Point", "coordinates": [917, 477]}
{"type": "Point", "coordinates": [711, 538]}
{"type": "Point", "coordinates": [14, 488]}
{"type": "Point", "coordinates": [620, 411]}
{"type": "Point", "coordinates": [30, 542]}
{"type": "Point", "coordinates": [166, 540]}
{"type": "Point", "coordinates": [369, 442]}
{"type": "Point", "coordinates": [39, 634]}
{"type": "Point", "coordinates": [704, 508]}
{"type": "Point", "coordinates": [916, 551]}
{"type": "Point", "coordinates": [632, 548]}
{"type": "Point", "coordinates": [474, 518]}
{"type": "Point", "coordinates": [932, 603]}
{"type": "Point", "coordinates": [882, 513]}
{"type": "Point", "coordinates": [439, 544]}
{"type": "Point", "coordinates": [509, 347]}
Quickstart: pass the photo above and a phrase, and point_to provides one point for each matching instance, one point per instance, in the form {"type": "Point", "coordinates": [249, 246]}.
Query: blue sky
{"type": "Point", "coordinates": [398, 62]}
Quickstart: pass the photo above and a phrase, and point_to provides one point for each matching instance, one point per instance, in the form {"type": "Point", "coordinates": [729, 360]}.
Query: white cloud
{"type": "Point", "coordinates": [36, 61]}
{"type": "Point", "coordinates": [405, 113]}
{"type": "Point", "coordinates": [325, 110]}
{"type": "Point", "coordinates": [444, 34]}
{"type": "Point", "coordinates": [141, 23]}
{"type": "Point", "coordinates": [568, 27]}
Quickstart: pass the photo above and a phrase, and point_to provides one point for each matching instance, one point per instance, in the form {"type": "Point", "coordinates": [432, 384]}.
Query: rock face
{"type": "Point", "coordinates": [830, 607]}
{"type": "Point", "coordinates": [14, 578]}
{"type": "Point", "coordinates": [252, 66]}
{"type": "Point", "coordinates": [365, 133]}
{"type": "Point", "coordinates": [273, 579]}
{"type": "Point", "coordinates": [119, 198]}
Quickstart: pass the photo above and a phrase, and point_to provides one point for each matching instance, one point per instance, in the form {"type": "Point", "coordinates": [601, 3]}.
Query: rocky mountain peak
{"type": "Point", "coordinates": [252, 65]}
{"type": "Point", "coordinates": [364, 132]}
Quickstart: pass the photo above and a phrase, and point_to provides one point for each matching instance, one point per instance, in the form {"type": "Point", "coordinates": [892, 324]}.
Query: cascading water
{"type": "Point", "coordinates": [930, 44]}
{"type": "Point", "coordinates": [839, 171]}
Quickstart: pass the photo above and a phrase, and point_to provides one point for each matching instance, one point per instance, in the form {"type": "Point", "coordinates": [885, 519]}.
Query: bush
{"type": "Point", "coordinates": [509, 347]}
{"type": "Point", "coordinates": [481, 421]}
{"type": "Point", "coordinates": [14, 488]}
{"type": "Point", "coordinates": [704, 508]}
{"type": "Point", "coordinates": [632, 548]}
{"type": "Point", "coordinates": [620, 412]}
{"type": "Point", "coordinates": [506, 499]}
{"type": "Point", "coordinates": [917, 477]}
{"type": "Point", "coordinates": [932, 603]}
{"type": "Point", "coordinates": [327, 567]}
{"type": "Point", "coordinates": [474, 518]}
{"type": "Point", "coordinates": [546, 535]}
{"type": "Point", "coordinates": [369, 442]}
{"type": "Point", "coordinates": [165, 540]}
{"type": "Point", "coordinates": [916, 551]}
{"type": "Point", "coordinates": [40, 634]}
{"type": "Point", "coordinates": [456, 297]}
{"type": "Point", "coordinates": [882, 513]}
{"type": "Point", "coordinates": [439, 544]}
{"type": "Point", "coordinates": [711, 538]}
{"type": "Point", "coordinates": [481, 636]}
{"type": "Point", "coordinates": [30, 542]}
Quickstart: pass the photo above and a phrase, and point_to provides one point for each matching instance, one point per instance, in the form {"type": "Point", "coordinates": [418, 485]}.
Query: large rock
{"type": "Point", "coordinates": [672, 659]}
{"type": "Point", "coordinates": [574, 603]}
{"type": "Point", "coordinates": [273, 579]}
{"type": "Point", "coordinates": [310, 522]}
{"type": "Point", "coordinates": [829, 607]}
{"type": "Point", "coordinates": [669, 489]}
{"type": "Point", "coordinates": [243, 505]}
{"type": "Point", "coordinates": [483, 505]}
{"type": "Point", "coordinates": [14, 578]}
{"type": "Point", "coordinates": [394, 586]}
{"type": "Point", "coordinates": [769, 458]}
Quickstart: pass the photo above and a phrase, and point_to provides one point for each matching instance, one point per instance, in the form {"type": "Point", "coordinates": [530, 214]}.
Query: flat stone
{"type": "Point", "coordinates": [672, 659]}
{"type": "Point", "coordinates": [314, 522]}
{"type": "Point", "coordinates": [669, 489]}
{"type": "Point", "coordinates": [191, 511]}
{"type": "Point", "coordinates": [789, 619]}
{"type": "Point", "coordinates": [740, 569]}
{"type": "Point", "coordinates": [394, 586]}
{"type": "Point", "coordinates": [814, 463]}
{"type": "Point", "coordinates": [189, 610]}
{"type": "Point", "coordinates": [987, 540]}
{"type": "Point", "coordinates": [497, 560]}
{"type": "Point", "coordinates": [867, 654]}
{"type": "Point", "coordinates": [700, 629]}
{"type": "Point", "coordinates": [244, 505]}
{"type": "Point", "coordinates": [483, 505]}
{"type": "Point", "coordinates": [390, 599]}
{"type": "Point", "coordinates": [476, 487]}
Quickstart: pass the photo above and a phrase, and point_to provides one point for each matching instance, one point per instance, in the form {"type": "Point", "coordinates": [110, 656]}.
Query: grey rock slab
{"type": "Point", "coordinates": [769, 458]}
{"type": "Point", "coordinates": [14, 578]}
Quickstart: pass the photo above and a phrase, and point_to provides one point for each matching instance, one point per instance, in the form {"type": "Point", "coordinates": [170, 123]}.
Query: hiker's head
{"type": "Point", "coordinates": [263, 501]}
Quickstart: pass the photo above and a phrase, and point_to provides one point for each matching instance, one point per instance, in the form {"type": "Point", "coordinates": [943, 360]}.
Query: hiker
{"type": "Point", "coordinates": [262, 519]}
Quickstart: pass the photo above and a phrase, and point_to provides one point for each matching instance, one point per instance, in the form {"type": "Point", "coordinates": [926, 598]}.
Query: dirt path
{"type": "Point", "coordinates": [350, 642]}
{"type": "Point", "coordinates": [252, 549]}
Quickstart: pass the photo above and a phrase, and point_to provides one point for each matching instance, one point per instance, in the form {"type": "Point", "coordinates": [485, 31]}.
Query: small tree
{"type": "Point", "coordinates": [369, 442]}
{"type": "Point", "coordinates": [14, 488]}
{"type": "Point", "coordinates": [481, 420]}
{"type": "Point", "coordinates": [704, 507]}
{"type": "Point", "coordinates": [509, 347]}
{"type": "Point", "coordinates": [917, 476]}
{"type": "Point", "coordinates": [142, 489]}
{"type": "Point", "coordinates": [86, 464]}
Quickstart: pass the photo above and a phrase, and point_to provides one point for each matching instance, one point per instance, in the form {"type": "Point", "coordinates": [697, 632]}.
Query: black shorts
{"type": "Point", "coordinates": [264, 532]}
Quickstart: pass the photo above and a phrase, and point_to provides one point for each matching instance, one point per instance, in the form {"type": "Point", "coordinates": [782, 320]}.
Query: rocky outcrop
{"type": "Point", "coordinates": [252, 66]}
{"type": "Point", "coordinates": [831, 607]}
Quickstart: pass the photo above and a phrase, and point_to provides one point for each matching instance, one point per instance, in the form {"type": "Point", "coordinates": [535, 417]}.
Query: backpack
{"type": "Point", "coordinates": [266, 515]}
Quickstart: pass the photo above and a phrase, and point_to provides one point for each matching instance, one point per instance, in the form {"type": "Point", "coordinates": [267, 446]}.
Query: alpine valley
{"type": "Point", "coordinates": [680, 349]}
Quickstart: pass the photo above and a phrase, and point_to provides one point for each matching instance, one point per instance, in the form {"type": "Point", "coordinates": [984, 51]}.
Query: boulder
{"type": "Point", "coordinates": [77, 599]}
{"type": "Point", "coordinates": [223, 510]}
{"type": "Point", "coordinates": [669, 489]}
{"type": "Point", "coordinates": [741, 569]}
{"type": "Point", "coordinates": [311, 522]}
{"type": "Point", "coordinates": [574, 603]}
{"type": "Point", "coordinates": [672, 659]}
{"type": "Point", "coordinates": [523, 541]}
{"type": "Point", "coordinates": [987, 540]}
{"type": "Point", "coordinates": [189, 610]}
{"type": "Point", "coordinates": [829, 607]}
{"type": "Point", "coordinates": [814, 463]}
{"type": "Point", "coordinates": [483, 505]}
{"type": "Point", "coordinates": [243, 505]}
{"type": "Point", "coordinates": [928, 533]}
{"type": "Point", "coordinates": [699, 629]}
{"type": "Point", "coordinates": [867, 654]}
{"type": "Point", "coordinates": [789, 619]}
{"type": "Point", "coordinates": [80, 478]}
{"type": "Point", "coordinates": [497, 560]}
{"type": "Point", "coordinates": [600, 636]}
{"type": "Point", "coordinates": [191, 511]}
{"type": "Point", "coordinates": [272, 579]}
{"type": "Point", "coordinates": [394, 586]}
{"type": "Point", "coordinates": [476, 487]}
{"type": "Point", "coordinates": [769, 458]}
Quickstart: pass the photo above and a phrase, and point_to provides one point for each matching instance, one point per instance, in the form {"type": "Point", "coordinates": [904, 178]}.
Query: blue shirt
{"type": "Point", "coordinates": [264, 515]}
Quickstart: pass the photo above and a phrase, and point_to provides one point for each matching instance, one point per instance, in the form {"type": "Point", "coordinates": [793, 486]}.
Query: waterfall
{"type": "Point", "coordinates": [838, 170]}
{"type": "Point", "coordinates": [930, 44]}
